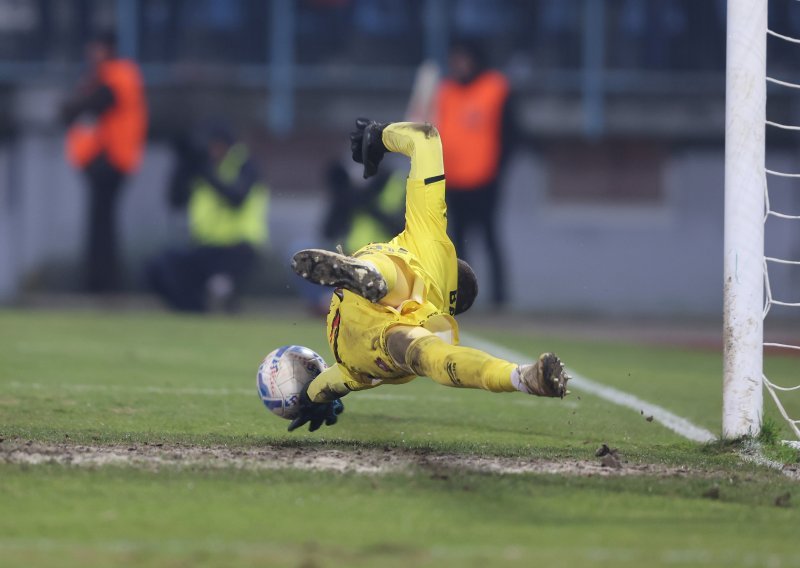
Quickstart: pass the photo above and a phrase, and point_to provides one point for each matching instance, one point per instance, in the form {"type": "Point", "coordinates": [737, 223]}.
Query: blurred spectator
{"type": "Point", "coordinates": [627, 49]}
{"type": "Point", "coordinates": [322, 29]}
{"type": "Point", "coordinates": [161, 29]}
{"type": "Point", "coordinates": [382, 17]}
{"type": "Point", "coordinates": [477, 18]}
{"type": "Point", "coordinates": [557, 39]}
{"type": "Point", "coordinates": [474, 118]}
{"type": "Point", "coordinates": [108, 118]}
{"type": "Point", "coordinates": [653, 34]}
{"type": "Point", "coordinates": [385, 26]}
{"type": "Point", "coordinates": [218, 183]}
{"type": "Point", "coordinates": [363, 211]}
{"type": "Point", "coordinates": [697, 34]}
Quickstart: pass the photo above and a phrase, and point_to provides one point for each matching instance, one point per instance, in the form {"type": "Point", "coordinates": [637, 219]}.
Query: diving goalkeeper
{"type": "Point", "coordinates": [392, 310]}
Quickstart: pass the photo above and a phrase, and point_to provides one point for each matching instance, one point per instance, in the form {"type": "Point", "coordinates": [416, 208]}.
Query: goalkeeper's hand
{"type": "Point", "coordinates": [366, 143]}
{"type": "Point", "coordinates": [316, 413]}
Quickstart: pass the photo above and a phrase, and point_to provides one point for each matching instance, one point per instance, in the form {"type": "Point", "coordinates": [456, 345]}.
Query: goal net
{"type": "Point", "coordinates": [748, 294]}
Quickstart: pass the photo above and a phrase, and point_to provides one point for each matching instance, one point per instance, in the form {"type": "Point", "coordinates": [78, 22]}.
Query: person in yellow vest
{"type": "Point", "coordinates": [393, 307]}
{"type": "Point", "coordinates": [362, 211]}
{"type": "Point", "coordinates": [226, 203]}
{"type": "Point", "coordinates": [107, 118]}
{"type": "Point", "coordinates": [473, 115]}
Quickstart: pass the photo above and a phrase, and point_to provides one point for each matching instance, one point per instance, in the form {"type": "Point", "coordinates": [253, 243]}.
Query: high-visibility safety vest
{"type": "Point", "coordinates": [366, 229]}
{"type": "Point", "coordinates": [119, 131]}
{"type": "Point", "coordinates": [213, 221]}
{"type": "Point", "coordinates": [469, 119]}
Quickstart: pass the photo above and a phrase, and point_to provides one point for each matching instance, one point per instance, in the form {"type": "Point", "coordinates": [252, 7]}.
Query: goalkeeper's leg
{"type": "Point", "coordinates": [379, 277]}
{"type": "Point", "coordinates": [424, 353]}
{"type": "Point", "coordinates": [375, 276]}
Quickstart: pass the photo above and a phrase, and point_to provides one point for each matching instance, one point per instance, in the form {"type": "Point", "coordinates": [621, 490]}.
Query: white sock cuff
{"type": "Point", "coordinates": [516, 380]}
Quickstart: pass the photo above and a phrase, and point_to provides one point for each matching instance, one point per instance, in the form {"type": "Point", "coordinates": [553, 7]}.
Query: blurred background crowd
{"type": "Point", "coordinates": [663, 34]}
{"type": "Point", "coordinates": [607, 198]}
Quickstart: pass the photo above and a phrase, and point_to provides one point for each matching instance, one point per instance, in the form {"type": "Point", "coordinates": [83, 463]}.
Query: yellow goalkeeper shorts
{"type": "Point", "coordinates": [357, 334]}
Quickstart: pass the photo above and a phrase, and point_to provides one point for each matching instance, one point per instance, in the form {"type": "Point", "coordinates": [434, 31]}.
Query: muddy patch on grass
{"type": "Point", "coordinates": [356, 460]}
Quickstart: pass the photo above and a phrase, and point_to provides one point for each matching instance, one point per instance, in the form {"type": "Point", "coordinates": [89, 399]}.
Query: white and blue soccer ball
{"type": "Point", "coordinates": [282, 376]}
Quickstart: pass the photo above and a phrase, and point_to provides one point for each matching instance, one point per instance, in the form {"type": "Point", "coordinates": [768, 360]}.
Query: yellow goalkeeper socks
{"type": "Point", "coordinates": [421, 143]}
{"type": "Point", "coordinates": [455, 366]}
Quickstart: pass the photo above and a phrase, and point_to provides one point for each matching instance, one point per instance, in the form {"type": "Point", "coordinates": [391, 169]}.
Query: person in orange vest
{"type": "Point", "coordinates": [107, 118]}
{"type": "Point", "coordinates": [472, 113]}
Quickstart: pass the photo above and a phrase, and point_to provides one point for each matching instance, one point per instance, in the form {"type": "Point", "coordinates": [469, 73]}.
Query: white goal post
{"type": "Point", "coordinates": [745, 180]}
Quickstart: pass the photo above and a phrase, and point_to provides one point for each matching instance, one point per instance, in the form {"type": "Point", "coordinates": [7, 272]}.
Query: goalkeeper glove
{"type": "Point", "coordinates": [315, 413]}
{"type": "Point", "coordinates": [367, 146]}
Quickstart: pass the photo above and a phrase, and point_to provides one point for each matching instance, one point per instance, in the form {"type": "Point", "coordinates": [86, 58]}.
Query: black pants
{"type": "Point", "coordinates": [476, 209]}
{"type": "Point", "coordinates": [180, 276]}
{"type": "Point", "coordinates": [101, 256]}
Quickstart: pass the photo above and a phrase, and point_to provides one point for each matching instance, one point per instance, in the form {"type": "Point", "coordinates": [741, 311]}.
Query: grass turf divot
{"type": "Point", "coordinates": [362, 460]}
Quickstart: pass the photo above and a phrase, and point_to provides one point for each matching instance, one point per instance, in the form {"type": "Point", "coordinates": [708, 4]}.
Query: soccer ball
{"type": "Point", "coordinates": [283, 374]}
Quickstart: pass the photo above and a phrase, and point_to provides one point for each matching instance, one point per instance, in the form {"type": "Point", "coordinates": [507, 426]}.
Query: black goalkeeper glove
{"type": "Point", "coordinates": [367, 146]}
{"type": "Point", "coordinates": [315, 413]}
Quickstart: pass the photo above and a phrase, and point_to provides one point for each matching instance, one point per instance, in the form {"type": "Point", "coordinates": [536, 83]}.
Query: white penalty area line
{"type": "Point", "coordinates": [670, 420]}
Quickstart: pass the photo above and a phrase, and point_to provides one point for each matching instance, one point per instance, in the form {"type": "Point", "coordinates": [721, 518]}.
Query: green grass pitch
{"type": "Point", "coordinates": [119, 379]}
